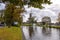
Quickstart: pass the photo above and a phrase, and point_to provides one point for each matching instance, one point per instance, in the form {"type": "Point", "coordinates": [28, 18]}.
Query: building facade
{"type": "Point", "coordinates": [46, 19]}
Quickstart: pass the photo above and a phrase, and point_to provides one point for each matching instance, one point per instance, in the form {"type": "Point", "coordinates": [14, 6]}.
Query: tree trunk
{"type": "Point", "coordinates": [9, 26]}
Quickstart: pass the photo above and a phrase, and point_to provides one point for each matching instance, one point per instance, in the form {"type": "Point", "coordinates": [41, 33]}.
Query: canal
{"type": "Point", "coordinates": [40, 33]}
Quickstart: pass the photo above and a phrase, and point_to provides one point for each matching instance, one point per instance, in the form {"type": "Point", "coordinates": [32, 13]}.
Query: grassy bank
{"type": "Point", "coordinates": [41, 25]}
{"type": "Point", "coordinates": [55, 27]}
{"type": "Point", "coordinates": [51, 27]}
{"type": "Point", "coordinates": [26, 24]}
{"type": "Point", "coordinates": [13, 33]}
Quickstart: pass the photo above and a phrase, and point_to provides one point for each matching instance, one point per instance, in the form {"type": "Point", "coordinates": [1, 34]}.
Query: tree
{"type": "Point", "coordinates": [34, 3]}
{"type": "Point", "coordinates": [12, 14]}
{"type": "Point", "coordinates": [17, 15]}
{"type": "Point", "coordinates": [8, 16]}
{"type": "Point", "coordinates": [1, 15]}
{"type": "Point", "coordinates": [15, 2]}
{"type": "Point", "coordinates": [38, 3]}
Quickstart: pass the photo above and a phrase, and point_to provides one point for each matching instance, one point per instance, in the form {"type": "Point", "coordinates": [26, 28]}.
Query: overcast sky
{"type": "Point", "coordinates": [49, 10]}
{"type": "Point", "coordinates": [2, 6]}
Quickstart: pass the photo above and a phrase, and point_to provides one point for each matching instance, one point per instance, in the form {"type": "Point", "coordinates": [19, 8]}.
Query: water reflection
{"type": "Point", "coordinates": [39, 33]}
{"type": "Point", "coordinates": [58, 33]}
{"type": "Point", "coordinates": [46, 31]}
{"type": "Point", "coordinates": [31, 31]}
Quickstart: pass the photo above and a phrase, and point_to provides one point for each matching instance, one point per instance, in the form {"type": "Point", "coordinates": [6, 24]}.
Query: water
{"type": "Point", "coordinates": [39, 33]}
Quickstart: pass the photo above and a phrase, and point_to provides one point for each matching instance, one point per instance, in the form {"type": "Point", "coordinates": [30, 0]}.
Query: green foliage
{"type": "Point", "coordinates": [15, 2]}
{"type": "Point", "coordinates": [8, 14]}
{"type": "Point", "coordinates": [38, 3]}
{"type": "Point", "coordinates": [12, 14]}
{"type": "Point", "coordinates": [34, 3]}
{"type": "Point", "coordinates": [1, 19]}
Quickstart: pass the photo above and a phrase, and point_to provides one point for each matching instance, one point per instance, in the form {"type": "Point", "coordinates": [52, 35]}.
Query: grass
{"type": "Point", "coordinates": [55, 27]}
{"type": "Point", "coordinates": [13, 33]}
{"type": "Point", "coordinates": [49, 26]}
{"type": "Point", "coordinates": [26, 24]}
{"type": "Point", "coordinates": [42, 26]}
{"type": "Point", "coordinates": [58, 27]}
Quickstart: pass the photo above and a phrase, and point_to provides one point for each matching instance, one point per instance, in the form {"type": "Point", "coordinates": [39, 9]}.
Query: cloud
{"type": "Point", "coordinates": [39, 13]}
{"type": "Point", "coordinates": [55, 1]}
{"type": "Point", "coordinates": [55, 8]}
{"type": "Point", "coordinates": [2, 6]}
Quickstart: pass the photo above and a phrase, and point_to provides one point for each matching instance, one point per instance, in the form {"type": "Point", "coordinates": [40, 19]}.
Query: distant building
{"type": "Point", "coordinates": [46, 19]}
{"type": "Point", "coordinates": [31, 19]}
